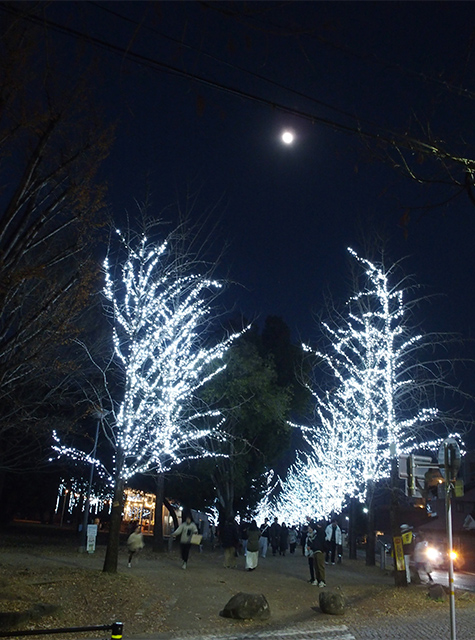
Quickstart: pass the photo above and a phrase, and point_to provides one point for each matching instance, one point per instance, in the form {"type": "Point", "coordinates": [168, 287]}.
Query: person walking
{"type": "Point", "coordinates": [303, 537]}
{"type": "Point", "coordinates": [292, 539]}
{"type": "Point", "coordinates": [264, 539]}
{"type": "Point", "coordinates": [185, 530]}
{"type": "Point", "coordinates": [274, 536]}
{"type": "Point", "coordinates": [333, 542]}
{"type": "Point", "coordinates": [243, 536]}
{"type": "Point", "coordinates": [284, 539]}
{"type": "Point", "coordinates": [252, 555]}
{"type": "Point", "coordinates": [420, 556]}
{"type": "Point", "coordinates": [134, 543]}
{"type": "Point", "coordinates": [408, 548]}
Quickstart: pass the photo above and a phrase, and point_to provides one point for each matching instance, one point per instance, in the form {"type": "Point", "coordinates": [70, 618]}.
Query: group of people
{"type": "Point", "coordinates": [279, 537]}
{"type": "Point", "coordinates": [319, 545]}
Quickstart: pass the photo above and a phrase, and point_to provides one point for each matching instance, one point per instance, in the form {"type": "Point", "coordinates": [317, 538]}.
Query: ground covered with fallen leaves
{"type": "Point", "coordinates": [48, 584]}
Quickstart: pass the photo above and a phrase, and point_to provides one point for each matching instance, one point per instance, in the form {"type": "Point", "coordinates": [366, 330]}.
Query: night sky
{"type": "Point", "coordinates": [288, 213]}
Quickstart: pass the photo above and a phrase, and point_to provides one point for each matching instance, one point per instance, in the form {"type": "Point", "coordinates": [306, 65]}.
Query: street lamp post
{"type": "Point", "coordinates": [83, 546]}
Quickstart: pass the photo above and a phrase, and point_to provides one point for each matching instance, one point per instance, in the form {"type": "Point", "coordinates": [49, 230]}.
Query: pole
{"type": "Point", "coordinates": [117, 630]}
{"type": "Point", "coordinates": [352, 530]}
{"type": "Point", "coordinates": [399, 572]}
{"type": "Point", "coordinates": [83, 546]}
{"type": "Point", "coordinates": [65, 494]}
{"type": "Point", "coordinates": [448, 512]}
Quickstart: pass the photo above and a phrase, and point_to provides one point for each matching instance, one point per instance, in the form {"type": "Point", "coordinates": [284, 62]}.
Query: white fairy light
{"type": "Point", "coordinates": [160, 318]}
{"type": "Point", "coordinates": [267, 505]}
{"type": "Point", "coordinates": [375, 409]}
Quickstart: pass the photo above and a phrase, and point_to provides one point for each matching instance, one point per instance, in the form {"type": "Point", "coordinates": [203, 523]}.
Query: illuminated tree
{"type": "Point", "coordinates": [379, 405]}
{"type": "Point", "coordinates": [374, 357]}
{"type": "Point", "coordinates": [161, 316]}
{"type": "Point", "coordinates": [329, 472]}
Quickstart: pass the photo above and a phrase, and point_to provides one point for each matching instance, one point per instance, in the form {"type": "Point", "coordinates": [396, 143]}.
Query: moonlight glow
{"type": "Point", "coordinates": [287, 137]}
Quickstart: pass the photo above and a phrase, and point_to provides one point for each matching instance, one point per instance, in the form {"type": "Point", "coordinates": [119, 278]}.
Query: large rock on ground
{"type": "Point", "coordinates": [247, 606]}
{"type": "Point", "coordinates": [437, 592]}
{"type": "Point", "coordinates": [332, 601]}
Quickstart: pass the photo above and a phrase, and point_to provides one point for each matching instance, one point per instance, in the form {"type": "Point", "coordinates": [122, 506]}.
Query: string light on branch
{"type": "Point", "coordinates": [379, 403]}
{"type": "Point", "coordinates": [161, 315]}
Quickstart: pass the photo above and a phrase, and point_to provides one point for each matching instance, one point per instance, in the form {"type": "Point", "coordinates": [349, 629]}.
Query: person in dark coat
{"type": "Point", "coordinates": [284, 539]}
{"type": "Point", "coordinates": [264, 539]}
{"type": "Point", "coordinates": [274, 536]}
{"type": "Point", "coordinates": [252, 556]}
{"type": "Point", "coordinates": [303, 537]}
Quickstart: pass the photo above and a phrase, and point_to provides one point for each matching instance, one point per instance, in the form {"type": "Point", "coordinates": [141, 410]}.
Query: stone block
{"type": "Point", "coordinates": [437, 592]}
{"type": "Point", "coordinates": [247, 606]}
{"type": "Point", "coordinates": [332, 601]}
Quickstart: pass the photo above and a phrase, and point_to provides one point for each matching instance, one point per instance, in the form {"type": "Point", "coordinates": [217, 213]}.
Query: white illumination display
{"type": "Point", "coordinates": [378, 406]}
{"type": "Point", "coordinates": [161, 315]}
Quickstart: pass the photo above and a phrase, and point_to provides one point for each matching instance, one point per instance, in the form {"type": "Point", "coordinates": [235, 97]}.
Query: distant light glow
{"type": "Point", "coordinates": [287, 137]}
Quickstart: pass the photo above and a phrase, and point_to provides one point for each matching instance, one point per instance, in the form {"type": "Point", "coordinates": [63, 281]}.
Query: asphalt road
{"type": "Point", "coordinates": [462, 579]}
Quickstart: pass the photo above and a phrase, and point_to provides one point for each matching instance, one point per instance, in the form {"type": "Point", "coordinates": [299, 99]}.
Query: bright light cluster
{"type": "Point", "coordinates": [160, 316]}
{"type": "Point", "coordinates": [266, 507]}
{"type": "Point", "coordinates": [73, 492]}
{"type": "Point", "coordinates": [375, 408]}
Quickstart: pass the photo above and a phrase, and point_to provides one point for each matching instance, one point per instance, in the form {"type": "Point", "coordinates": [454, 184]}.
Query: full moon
{"type": "Point", "coordinates": [287, 137]}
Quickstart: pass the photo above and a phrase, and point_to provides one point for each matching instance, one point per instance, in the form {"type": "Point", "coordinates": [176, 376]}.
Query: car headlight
{"type": "Point", "coordinates": [432, 553]}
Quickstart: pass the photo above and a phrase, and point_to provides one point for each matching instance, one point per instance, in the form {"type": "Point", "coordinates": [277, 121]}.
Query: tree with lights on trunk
{"type": "Point", "coordinates": [322, 476]}
{"type": "Point", "coordinates": [382, 397]}
{"type": "Point", "coordinates": [161, 313]}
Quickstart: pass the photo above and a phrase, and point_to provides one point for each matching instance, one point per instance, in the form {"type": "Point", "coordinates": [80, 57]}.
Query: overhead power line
{"type": "Point", "coordinates": [381, 136]}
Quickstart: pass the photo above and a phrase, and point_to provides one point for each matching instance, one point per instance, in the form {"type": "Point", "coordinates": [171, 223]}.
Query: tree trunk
{"type": "Point", "coordinates": [223, 479]}
{"type": "Point", "coordinates": [158, 545]}
{"type": "Point", "coordinates": [172, 512]}
{"type": "Point", "coordinates": [399, 576]}
{"type": "Point", "coordinates": [352, 529]}
{"type": "Point", "coordinates": [112, 552]}
{"type": "Point", "coordinates": [371, 536]}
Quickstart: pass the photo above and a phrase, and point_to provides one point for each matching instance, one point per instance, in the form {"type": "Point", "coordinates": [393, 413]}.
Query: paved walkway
{"type": "Point", "coordinates": [433, 627]}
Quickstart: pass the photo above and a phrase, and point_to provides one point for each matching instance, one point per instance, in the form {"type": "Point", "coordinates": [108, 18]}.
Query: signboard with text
{"type": "Point", "coordinates": [398, 554]}
{"type": "Point", "coordinates": [91, 538]}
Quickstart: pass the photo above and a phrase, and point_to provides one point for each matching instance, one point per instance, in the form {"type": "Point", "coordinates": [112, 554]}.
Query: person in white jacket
{"type": "Point", "coordinates": [185, 530]}
{"type": "Point", "coordinates": [134, 543]}
{"type": "Point", "coordinates": [333, 545]}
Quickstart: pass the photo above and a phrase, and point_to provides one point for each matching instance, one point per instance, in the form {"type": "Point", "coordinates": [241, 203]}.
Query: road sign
{"type": "Point", "coordinates": [450, 457]}
{"type": "Point", "coordinates": [413, 470]}
{"type": "Point", "coordinates": [398, 553]}
{"type": "Point", "coordinates": [420, 465]}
